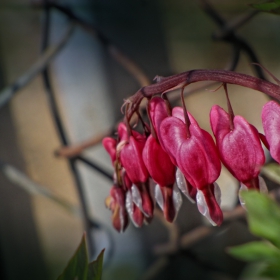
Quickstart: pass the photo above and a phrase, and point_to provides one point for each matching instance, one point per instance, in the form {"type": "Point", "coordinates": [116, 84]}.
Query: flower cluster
{"type": "Point", "coordinates": [175, 155]}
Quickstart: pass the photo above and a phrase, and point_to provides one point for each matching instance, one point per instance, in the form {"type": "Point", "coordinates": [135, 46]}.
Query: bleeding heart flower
{"type": "Point", "coordinates": [110, 145]}
{"type": "Point", "coordinates": [239, 146]}
{"type": "Point", "coordinates": [271, 126]}
{"type": "Point", "coordinates": [162, 171]}
{"type": "Point", "coordinates": [196, 155]}
{"type": "Point", "coordinates": [116, 203]}
{"type": "Point", "coordinates": [132, 161]}
{"type": "Point", "coordinates": [158, 163]}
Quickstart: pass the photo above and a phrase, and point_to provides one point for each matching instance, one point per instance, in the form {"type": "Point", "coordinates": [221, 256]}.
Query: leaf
{"type": "Point", "coordinates": [95, 268]}
{"type": "Point", "coordinates": [272, 271]}
{"type": "Point", "coordinates": [270, 7]}
{"type": "Point", "coordinates": [256, 251]}
{"type": "Point", "coordinates": [263, 216]}
{"type": "Point", "coordinates": [253, 271]}
{"type": "Point", "coordinates": [77, 267]}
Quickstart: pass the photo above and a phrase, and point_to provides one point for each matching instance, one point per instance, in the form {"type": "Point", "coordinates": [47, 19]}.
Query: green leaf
{"type": "Point", "coordinates": [263, 216]}
{"type": "Point", "coordinates": [77, 268]}
{"type": "Point", "coordinates": [253, 271]}
{"type": "Point", "coordinates": [272, 271]}
{"type": "Point", "coordinates": [270, 7]}
{"type": "Point", "coordinates": [95, 268]}
{"type": "Point", "coordinates": [256, 251]}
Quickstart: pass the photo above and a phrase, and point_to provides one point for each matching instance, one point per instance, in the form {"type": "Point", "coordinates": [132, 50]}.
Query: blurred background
{"type": "Point", "coordinates": [97, 53]}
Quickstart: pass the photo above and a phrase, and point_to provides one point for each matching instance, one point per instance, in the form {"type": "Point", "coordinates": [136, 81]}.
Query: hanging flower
{"type": "Point", "coordinates": [271, 126]}
{"type": "Point", "coordinates": [239, 146]}
{"type": "Point", "coordinates": [197, 157]}
{"type": "Point", "coordinates": [116, 203]}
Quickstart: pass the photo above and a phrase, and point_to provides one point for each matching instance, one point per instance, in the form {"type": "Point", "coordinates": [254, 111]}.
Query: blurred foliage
{"type": "Point", "coordinates": [78, 267]}
{"type": "Point", "coordinates": [264, 222]}
{"type": "Point", "coordinates": [270, 7]}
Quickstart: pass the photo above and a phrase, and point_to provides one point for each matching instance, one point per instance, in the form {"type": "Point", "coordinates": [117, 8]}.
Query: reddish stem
{"type": "Point", "coordinates": [187, 120]}
{"type": "Point", "coordinates": [180, 80]}
{"type": "Point", "coordinates": [230, 111]}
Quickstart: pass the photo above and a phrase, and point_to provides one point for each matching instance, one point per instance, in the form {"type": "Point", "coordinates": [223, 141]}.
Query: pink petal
{"type": "Point", "coordinates": [208, 205]}
{"type": "Point", "coordinates": [119, 217]}
{"type": "Point", "coordinates": [271, 126]}
{"type": "Point", "coordinates": [173, 132]}
{"type": "Point", "coordinates": [158, 163]}
{"type": "Point", "coordinates": [131, 160]}
{"type": "Point", "coordinates": [122, 132]}
{"type": "Point", "coordinates": [158, 112]}
{"type": "Point", "coordinates": [240, 149]}
{"type": "Point", "coordinates": [110, 146]}
{"type": "Point", "coordinates": [178, 112]}
{"type": "Point", "coordinates": [198, 158]}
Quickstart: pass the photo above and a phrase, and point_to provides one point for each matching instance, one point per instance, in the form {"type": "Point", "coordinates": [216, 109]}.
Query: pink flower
{"type": "Point", "coordinates": [132, 161]}
{"type": "Point", "coordinates": [239, 146]}
{"type": "Point", "coordinates": [196, 155]}
{"type": "Point", "coordinates": [116, 203]}
{"type": "Point", "coordinates": [110, 145]}
{"type": "Point", "coordinates": [159, 164]}
{"type": "Point", "coordinates": [271, 126]}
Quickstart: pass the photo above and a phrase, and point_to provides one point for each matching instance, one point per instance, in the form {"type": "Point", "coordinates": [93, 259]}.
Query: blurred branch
{"type": "Point", "coordinates": [227, 34]}
{"type": "Point", "coordinates": [113, 50]}
{"type": "Point", "coordinates": [8, 92]}
{"type": "Point", "coordinates": [18, 178]}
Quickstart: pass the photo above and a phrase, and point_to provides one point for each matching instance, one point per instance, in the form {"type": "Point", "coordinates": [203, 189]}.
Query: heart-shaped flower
{"type": "Point", "coordinates": [271, 126]}
{"type": "Point", "coordinates": [196, 155]}
{"type": "Point", "coordinates": [116, 203]}
{"type": "Point", "coordinates": [239, 146]}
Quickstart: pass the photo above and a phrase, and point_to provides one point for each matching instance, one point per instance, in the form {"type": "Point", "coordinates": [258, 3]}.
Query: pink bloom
{"type": "Point", "coordinates": [116, 203]}
{"type": "Point", "coordinates": [132, 161]}
{"type": "Point", "coordinates": [162, 171]}
{"type": "Point", "coordinates": [110, 146]}
{"type": "Point", "coordinates": [271, 126]}
{"type": "Point", "coordinates": [158, 163]}
{"type": "Point", "coordinates": [197, 157]}
{"type": "Point", "coordinates": [239, 147]}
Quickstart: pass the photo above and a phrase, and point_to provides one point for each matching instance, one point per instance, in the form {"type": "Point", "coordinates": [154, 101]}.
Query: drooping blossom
{"type": "Point", "coordinates": [132, 161]}
{"type": "Point", "coordinates": [121, 181]}
{"type": "Point", "coordinates": [239, 147]}
{"type": "Point", "coordinates": [159, 164]}
{"type": "Point", "coordinates": [271, 126]}
{"type": "Point", "coordinates": [196, 155]}
{"type": "Point", "coordinates": [116, 203]}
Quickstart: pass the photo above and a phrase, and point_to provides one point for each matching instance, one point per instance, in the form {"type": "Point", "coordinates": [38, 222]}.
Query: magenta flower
{"type": "Point", "coordinates": [159, 164]}
{"type": "Point", "coordinates": [110, 145]}
{"type": "Point", "coordinates": [132, 161]}
{"type": "Point", "coordinates": [239, 146]}
{"type": "Point", "coordinates": [196, 155]}
{"type": "Point", "coordinates": [162, 171]}
{"type": "Point", "coordinates": [271, 126]}
{"type": "Point", "coordinates": [116, 203]}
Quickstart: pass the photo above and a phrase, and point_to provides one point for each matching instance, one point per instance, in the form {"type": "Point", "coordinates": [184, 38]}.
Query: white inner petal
{"type": "Point", "coordinates": [129, 204]}
{"type": "Point", "coordinates": [159, 196]}
{"type": "Point", "coordinates": [217, 193]}
{"type": "Point", "coordinates": [136, 197]}
{"type": "Point", "coordinates": [182, 185]}
{"type": "Point", "coordinates": [177, 200]}
{"type": "Point", "coordinates": [202, 206]}
{"type": "Point", "coordinates": [241, 189]}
